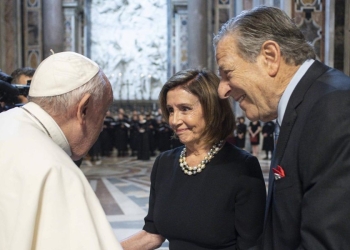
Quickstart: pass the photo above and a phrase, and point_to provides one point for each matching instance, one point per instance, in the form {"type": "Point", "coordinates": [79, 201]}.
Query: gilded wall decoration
{"type": "Point", "coordinates": [309, 16]}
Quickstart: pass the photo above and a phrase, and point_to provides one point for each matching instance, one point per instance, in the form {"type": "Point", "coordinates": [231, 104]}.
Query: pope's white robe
{"type": "Point", "coordinates": [46, 203]}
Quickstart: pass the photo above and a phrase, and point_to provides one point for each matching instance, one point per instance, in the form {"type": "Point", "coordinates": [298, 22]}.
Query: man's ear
{"type": "Point", "coordinates": [271, 53]}
{"type": "Point", "coordinates": [83, 108]}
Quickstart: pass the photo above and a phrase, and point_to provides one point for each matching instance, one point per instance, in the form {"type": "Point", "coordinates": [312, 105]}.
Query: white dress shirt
{"type": "Point", "coordinates": [282, 105]}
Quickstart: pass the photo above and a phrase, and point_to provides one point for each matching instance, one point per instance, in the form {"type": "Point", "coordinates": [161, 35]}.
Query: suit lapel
{"type": "Point", "coordinates": [295, 100]}
{"type": "Point", "coordinates": [289, 119]}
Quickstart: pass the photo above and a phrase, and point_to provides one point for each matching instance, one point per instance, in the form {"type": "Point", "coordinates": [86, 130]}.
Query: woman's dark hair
{"type": "Point", "coordinates": [218, 113]}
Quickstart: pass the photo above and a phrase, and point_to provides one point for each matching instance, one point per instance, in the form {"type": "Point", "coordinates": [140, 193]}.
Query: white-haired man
{"type": "Point", "coordinates": [45, 200]}
{"type": "Point", "coordinates": [269, 68]}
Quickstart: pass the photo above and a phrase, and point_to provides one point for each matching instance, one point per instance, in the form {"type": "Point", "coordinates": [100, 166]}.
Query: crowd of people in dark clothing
{"type": "Point", "coordinates": [143, 135]}
{"type": "Point", "coordinates": [136, 134]}
{"type": "Point", "coordinates": [254, 130]}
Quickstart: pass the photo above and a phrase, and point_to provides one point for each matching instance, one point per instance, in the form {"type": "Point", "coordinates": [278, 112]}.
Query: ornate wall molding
{"type": "Point", "coordinates": [32, 33]}
{"type": "Point", "coordinates": [309, 16]}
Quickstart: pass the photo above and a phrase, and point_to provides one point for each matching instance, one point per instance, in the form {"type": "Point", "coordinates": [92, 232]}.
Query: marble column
{"type": "Point", "coordinates": [53, 26]}
{"type": "Point", "coordinates": [197, 34]}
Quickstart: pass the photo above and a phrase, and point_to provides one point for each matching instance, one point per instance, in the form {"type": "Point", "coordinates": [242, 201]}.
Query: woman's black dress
{"type": "Point", "coordinates": [220, 208]}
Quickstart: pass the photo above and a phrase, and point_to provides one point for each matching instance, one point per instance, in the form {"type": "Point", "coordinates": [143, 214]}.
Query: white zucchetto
{"type": "Point", "coordinates": [61, 73]}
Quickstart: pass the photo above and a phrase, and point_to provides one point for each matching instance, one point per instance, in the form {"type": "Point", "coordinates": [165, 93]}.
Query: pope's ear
{"type": "Point", "coordinates": [84, 108]}
{"type": "Point", "coordinates": [271, 53]}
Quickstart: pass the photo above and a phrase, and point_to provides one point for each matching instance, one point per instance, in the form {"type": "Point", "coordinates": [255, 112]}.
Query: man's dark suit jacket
{"type": "Point", "coordinates": [310, 207]}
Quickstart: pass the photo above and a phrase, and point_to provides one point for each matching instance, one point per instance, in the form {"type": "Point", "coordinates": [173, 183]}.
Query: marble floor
{"type": "Point", "coordinates": [122, 185]}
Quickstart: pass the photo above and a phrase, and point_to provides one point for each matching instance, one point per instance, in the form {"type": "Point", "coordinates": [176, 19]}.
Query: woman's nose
{"type": "Point", "coordinates": [175, 118]}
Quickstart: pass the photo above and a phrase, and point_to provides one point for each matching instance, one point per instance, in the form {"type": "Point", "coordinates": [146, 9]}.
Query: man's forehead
{"type": "Point", "coordinates": [224, 60]}
{"type": "Point", "coordinates": [225, 46]}
{"type": "Point", "coordinates": [220, 58]}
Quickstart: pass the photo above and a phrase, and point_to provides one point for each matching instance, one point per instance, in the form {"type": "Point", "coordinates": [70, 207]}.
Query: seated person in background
{"type": "Point", "coordinates": [45, 200]}
{"type": "Point", "coordinates": [22, 76]}
{"type": "Point", "coordinates": [207, 194]}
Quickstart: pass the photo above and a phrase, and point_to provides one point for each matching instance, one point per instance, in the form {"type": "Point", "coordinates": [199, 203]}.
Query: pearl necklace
{"type": "Point", "coordinates": [197, 169]}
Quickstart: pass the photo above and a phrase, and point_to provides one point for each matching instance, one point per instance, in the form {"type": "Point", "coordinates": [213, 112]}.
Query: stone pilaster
{"type": "Point", "coordinates": [53, 26]}
{"type": "Point", "coordinates": [8, 36]}
{"type": "Point", "coordinates": [197, 33]}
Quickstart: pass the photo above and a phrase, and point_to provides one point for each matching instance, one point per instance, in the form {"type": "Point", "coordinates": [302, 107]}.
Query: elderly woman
{"type": "Point", "coordinates": [207, 194]}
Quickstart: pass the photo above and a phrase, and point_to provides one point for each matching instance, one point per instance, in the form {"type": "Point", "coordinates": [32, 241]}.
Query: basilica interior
{"type": "Point", "coordinates": [139, 45]}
